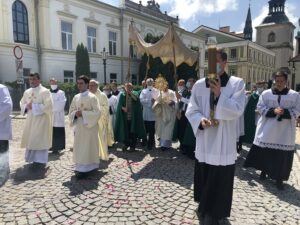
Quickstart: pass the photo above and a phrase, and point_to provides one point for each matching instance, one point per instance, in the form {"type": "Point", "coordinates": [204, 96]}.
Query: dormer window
{"type": "Point", "coordinates": [271, 37]}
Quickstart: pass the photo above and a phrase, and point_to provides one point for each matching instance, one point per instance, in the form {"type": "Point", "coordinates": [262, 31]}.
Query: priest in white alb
{"type": "Point", "coordinates": [84, 114]}
{"type": "Point", "coordinates": [104, 118]}
{"type": "Point", "coordinates": [37, 135]}
{"type": "Point", "coordinates": [5, 132]}
{"type": "Point", "coordinates": [165, 113]}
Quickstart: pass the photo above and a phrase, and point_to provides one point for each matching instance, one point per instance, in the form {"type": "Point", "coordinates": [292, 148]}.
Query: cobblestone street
{"type": "Point", "coordinates": [142, 187]}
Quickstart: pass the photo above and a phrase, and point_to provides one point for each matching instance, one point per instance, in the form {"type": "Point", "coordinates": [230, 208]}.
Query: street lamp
{"type": "Point", "coordinates": [104, 55]}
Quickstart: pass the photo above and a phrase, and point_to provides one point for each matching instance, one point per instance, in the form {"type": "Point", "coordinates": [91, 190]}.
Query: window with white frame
{"type": "Point", "coordinates": [93, 75]}
{"type": "Point", "coordinates": [233, 53]}
{"type": "Point", "coordinates": [112, 77]}
{"type": "Point", "coordinates": [20, 22]}
{"type": "Point", "coordinates": [26, 73]}
{"type": "Point", "coordinates": [66, 35]}
{"type": "Point", "coordinates": [68, 76]}
{"type": "Point", "coordinates": [91, 39]}
{"type": "Point", "coordinates": [133, 79]}
{"type": "Point", "coordinates": [112, 43]}
{"type": "Point", "coordinates": [232, 71]}
{"type": "Point", "coordinates": [133, 51]}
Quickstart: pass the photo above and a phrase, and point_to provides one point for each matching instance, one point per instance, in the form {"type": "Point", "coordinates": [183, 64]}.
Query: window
{"type": "Point", "coordinates": [91, 39]}
{"type": "Point", "coordinates": [93, 75]}
{"type": "Point", "coordinates": [20, 22]}
{"type": "Point", "coordinates": [232, 71]}
{"type": "Point", "coordinates": [112, 77]}
{"type": "Point", "coordinates": [233, 53]}
{"type": "Point", "coordinates": [206, 55]}
{"type": "Point", "coordinates": [68, 76]}
{"type": "Point", "coordinates": [112, 43]}
{"type": "Point", "coordinates": [271, 37]}
{"type": "Point", "coordinates": [133, 51]}
{"type": "Point", "coordinates": [66, 35]}
{"type": "Point", "coordinates": [134, 79]}
{"type": "Point", "coordinates": [26, 72]}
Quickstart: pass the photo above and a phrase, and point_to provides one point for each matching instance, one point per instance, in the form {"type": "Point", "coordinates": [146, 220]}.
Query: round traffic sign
{"type": "Point", "coordinates": [18, 53]}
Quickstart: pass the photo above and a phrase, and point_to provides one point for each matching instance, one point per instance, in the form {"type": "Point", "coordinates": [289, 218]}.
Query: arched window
{"type": "Point", "coordinates": [271, 37]}
{"type": "Point", "coordinates": [20, 22]}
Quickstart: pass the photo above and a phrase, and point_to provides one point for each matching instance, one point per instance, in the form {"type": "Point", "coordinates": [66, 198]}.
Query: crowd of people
{"type": "Point", "coordinates": [264, 118]}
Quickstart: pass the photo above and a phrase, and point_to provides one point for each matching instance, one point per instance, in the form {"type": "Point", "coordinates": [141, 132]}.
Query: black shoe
{"type": "Point", "coordinates": [55, 152]}
{"type": "Point", "coordinates": [199, 214]}
{"type": "Point", "coordinates": [125, 147]}
{"type": "Point", "coordinates": [80, 175]}
{"type": "Point", "coordinates": [149, 147]}
{"type": "Point", "coordinates": [163, 148]}
{"type": "Point", "coordinates": [144, 143]}
{"type": "Point", "coordinates": [263, 175]}
{"type": "Point", "coordinates": [131, 149]}
{"type": "Point", "coordinates": [279, 185]}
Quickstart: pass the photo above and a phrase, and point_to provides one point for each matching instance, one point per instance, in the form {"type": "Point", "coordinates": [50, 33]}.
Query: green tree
{"type": "Point", "coordinates": [82, 61]}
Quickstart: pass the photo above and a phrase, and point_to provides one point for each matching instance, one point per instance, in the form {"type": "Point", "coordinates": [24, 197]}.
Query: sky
{"type": "Point", "coordinates": [219, 13]}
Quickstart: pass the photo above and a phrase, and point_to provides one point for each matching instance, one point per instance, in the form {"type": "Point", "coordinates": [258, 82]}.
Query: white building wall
{"type": "Point", "coordinates": [54, 60]}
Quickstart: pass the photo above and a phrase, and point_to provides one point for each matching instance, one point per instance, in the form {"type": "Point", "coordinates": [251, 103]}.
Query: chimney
{"type": "Point", "coordinates": [225, 29]}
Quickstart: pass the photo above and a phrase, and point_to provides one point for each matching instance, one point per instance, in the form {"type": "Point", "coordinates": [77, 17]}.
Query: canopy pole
{"type": "Point", "coordinates": [174, 58]}
{"type": "Point", "coordinates": [147, 67]}
{"type": "Point", "coordinates": [129, 63]}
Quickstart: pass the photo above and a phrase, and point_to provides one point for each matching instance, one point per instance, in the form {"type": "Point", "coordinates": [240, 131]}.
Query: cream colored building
{"type": "Point", "coordinates": [294, 63]}
{"type": "Point", "coordinates": [48, 31]}
{"type": "Point", "coordinates": [276, 33]}
{"type": "Point", "coordinates": [246, 59]}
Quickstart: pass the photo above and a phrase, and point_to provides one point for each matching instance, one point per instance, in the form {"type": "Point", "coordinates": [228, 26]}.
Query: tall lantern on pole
{"type": "Point", "coordinates": [212, 74]}
{"type": "Point", "coordinates": [104, 58]}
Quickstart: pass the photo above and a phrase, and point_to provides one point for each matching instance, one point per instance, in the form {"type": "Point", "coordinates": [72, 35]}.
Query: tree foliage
{"type": "Point", "coordinates": [82, 61]}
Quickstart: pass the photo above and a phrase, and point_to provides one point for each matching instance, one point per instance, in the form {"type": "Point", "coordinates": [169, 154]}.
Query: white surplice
{"type": "Point", "coordinates": [59, 102]}
{"type": "Point", "coordinates": [271, 133]}
{"type": "Point", "coordinates": [113, 104]}
{"type": "Point", "coordinates": [5, 112]}
{"type": "Point", "coordinates": [217, 145]}
{"type": "Point", "coordinates": [86, 141]}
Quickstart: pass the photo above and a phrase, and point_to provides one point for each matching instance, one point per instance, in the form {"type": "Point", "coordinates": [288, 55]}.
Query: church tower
{"type": "Point", "coordinates": [248, 26]}
{"type": "Point", "coordinates": [276, 33]}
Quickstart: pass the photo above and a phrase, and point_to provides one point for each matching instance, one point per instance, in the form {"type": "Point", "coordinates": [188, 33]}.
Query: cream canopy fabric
{"type": "Point", "coordinates": [169, 48]}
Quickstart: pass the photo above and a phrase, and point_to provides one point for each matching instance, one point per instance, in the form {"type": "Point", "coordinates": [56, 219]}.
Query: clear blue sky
{"type": "Point", "coordinates": [215, 13]}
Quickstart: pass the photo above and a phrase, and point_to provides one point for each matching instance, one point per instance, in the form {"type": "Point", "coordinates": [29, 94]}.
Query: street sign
{"type": "Point", "coordinates": [19, 65]}
{"type": "Point", "coordinates": [20, 80]}
{"type": "Point", "coordinates": [18, 52]}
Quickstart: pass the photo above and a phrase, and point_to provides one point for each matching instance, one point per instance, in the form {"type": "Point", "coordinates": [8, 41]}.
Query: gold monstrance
{"type": "Point", "coordinates": [161, 84]}
{"type": "Point", "coordinates": [212, 75]}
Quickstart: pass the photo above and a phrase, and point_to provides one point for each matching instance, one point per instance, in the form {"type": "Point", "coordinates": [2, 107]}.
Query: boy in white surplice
{"type": "Point", "coordinates": [273, 148]}
{"type": "Point", "coordinates": [215, 145]}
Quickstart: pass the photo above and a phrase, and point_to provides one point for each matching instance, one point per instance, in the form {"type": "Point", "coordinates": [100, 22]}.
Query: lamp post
{"type": "Point", "coordinates": [104, 58]}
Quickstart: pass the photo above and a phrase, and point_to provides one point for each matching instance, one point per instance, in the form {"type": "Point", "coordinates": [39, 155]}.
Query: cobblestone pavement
{"type": "Point", "coordinates": [143, 187]}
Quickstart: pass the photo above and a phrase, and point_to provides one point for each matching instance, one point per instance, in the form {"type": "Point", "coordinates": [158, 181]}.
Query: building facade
{"type": "Point", "coordinates": [276, 33]}
{"type": "Point", "coordinates": [246, 59]}
{"type": "Point", "coordinates": [48, 32]}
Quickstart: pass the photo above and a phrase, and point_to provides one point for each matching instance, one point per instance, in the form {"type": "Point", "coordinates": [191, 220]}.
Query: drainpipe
{"type": "Point", "coordinates": [122, 44]}
{"type": "Point", "coordinates": [38, 44]}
